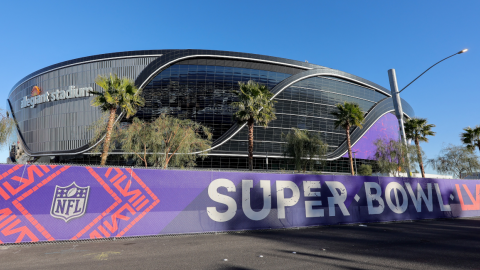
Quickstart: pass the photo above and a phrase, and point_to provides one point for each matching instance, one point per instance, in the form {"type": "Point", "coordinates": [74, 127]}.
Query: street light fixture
{"type": "Point", "coordinates": [397, 102]}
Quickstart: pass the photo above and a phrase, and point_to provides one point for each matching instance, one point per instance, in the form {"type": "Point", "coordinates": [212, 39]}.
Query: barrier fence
{"type": "Point", "coordinates": [50, 203]}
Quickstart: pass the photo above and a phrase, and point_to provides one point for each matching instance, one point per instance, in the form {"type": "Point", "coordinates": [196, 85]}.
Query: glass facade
{"type": "Point", "coordinates": [201, 93]}
{"type": "Point", "coordinates": [306, 105]}
{"type": "Point", "coordinates": [198, 87]}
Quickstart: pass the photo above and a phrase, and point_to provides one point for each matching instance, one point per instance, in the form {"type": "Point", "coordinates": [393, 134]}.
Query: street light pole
{"type": "Point", "coordinates": [397, 102]}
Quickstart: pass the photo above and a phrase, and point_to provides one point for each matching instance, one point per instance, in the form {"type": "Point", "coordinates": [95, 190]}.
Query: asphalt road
{"type": "Point", "coordinates": [438, 244]}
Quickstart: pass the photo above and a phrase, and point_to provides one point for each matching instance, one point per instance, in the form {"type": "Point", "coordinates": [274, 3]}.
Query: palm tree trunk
{"type": "Point", "coordinates": [250, 143]}
{"type": "Point", "coordinates": [420, 160]}
{"type": "Point", "coordinates": [350, 149]}
{"type": "Point", "coordinates": [145, 155]}
{"type": "Point", "coordinates": [106, 143]}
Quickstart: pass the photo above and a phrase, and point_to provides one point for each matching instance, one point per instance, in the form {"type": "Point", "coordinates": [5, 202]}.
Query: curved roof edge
{"type": "Point", "coordinates": [146, 53]}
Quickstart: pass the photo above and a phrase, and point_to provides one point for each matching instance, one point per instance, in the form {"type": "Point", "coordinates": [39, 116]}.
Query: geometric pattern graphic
{"type": "Point", "coordinates": [15, 188]}
{"type": "Point", "coordinates": [130, 204]}
{"type": "Point", "coordinates": [132, 200]}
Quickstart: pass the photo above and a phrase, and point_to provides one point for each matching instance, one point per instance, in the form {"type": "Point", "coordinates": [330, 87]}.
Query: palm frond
{"type": "Point", "coordinates": [418, 129]}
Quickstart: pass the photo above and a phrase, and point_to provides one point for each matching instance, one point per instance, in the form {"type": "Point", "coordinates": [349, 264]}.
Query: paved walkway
{"type": "Point", "coordinates": [439, 244]}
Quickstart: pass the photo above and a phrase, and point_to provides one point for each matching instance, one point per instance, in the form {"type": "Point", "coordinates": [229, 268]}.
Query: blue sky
{"type": "Point", "coordinates": [365, 38]}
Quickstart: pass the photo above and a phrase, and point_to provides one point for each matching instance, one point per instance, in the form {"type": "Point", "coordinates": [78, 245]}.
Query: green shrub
{"type": "Point", "coordinates": [365, 170]}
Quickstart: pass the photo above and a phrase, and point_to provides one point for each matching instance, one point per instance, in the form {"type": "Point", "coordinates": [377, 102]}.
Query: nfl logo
{"type": "Point", "coordinates": [69, 202]}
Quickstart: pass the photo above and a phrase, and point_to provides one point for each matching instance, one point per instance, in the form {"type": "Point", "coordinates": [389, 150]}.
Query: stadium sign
{"type": "Point", "coordinates": [38, 98]}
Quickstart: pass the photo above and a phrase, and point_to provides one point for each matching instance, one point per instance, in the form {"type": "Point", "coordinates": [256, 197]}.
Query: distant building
{"type": "Point", "coordinates": [418, 175]}
{"type": "Point", "coordinates": [470, 175]}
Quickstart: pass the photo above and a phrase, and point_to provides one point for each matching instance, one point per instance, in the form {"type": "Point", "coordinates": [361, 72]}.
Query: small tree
{"type": "Point", "coordinates": [136, 140]}
{"type": "Point", "coordinates": [365, 170]}
{"type": "Point", "coordinates": [166, 141]}
{"type": "Point", "coordinates": [471, 138]}
{"type": "Point", "coordinates": [417, 130]}
{"type": "Point", "coordinates": [348, 115]}
{"type": "Point", "coordinates": [304, 148]}
{"type": "Point", "coordinates": [7, 128]}
{"type": "Point", "coordinates": [255, 106]}
{"type": "Point", "coordinates": [391, 156]}
{"type": "Point", "coordinates": [456, 160]}
{"type": "Point", "coordinates": [118, 94]}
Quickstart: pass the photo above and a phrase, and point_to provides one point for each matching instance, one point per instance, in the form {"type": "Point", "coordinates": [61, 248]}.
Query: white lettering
{"type": "Point", "coordinates": [282, 202]}
{"type": "Point", "coordinates": [80, 92]}
{"type": "Point", "coordinates": [417, 201]}
{"type": "Point", "coordinates": [308, 185]}
{"type": "Point", "coordinates": [246, 201]}
{"type": "Point", "coordinates": [374, 197]}
{"type": "Point", "coordinates": [223, 199]}
{"type": "Point", "coordinates": [338, 198]}
{"type": "Point", "coordinates": [443, 207]}
{"type": "Point", "coordinates": [307, 192]}
{"type": "Point", "coordinates": [71, 92]}
{"type": "Point", "coordinates": [396, 208]}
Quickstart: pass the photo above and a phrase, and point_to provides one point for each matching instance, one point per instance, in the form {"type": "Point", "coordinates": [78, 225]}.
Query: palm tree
{"type": "Point", "coordinates": [471, 138]}
{"type": "Point", "coordinates": [417, 129]}
{"type": "Point", "coordinates": [118, 94]}
{"type": "Point", "coordinates": [255, 106]}
{"type": "Point", "coordinates": [348, 115]}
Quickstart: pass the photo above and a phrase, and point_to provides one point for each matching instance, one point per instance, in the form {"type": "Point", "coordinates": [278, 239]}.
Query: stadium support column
{"type": "Point", "coordinates": [397, 104]}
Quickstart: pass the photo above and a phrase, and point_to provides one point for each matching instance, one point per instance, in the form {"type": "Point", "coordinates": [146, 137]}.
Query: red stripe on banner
{"type": "Point", "coordinates": [22, 230]}
{"type": "Point", "coordinates": [142, 184]}
{"type": "Point", "coordinates": [155, 202]}
{"type": "Point", "coordinates": [100, 227]}
{"type": "Point", "coordinates": [11, 171]}
{"type": "Point", "coordinates": [8, 220]}
{"type": "Point", "coordinates": [25, 212]}
{"type": "Point", "coordinates": [4, 194]}
{"type": "Point", "coordinates": [138, 201]}
{"type": "Point", "coordinates": [142, 205]}
{"type": "Point", "coordinates": [116, 176]}
{"type": "Point", "coordinates": [44, 168]}
{"type": "Point", "coordinates": [475, 201]}
{"type": "Point", "coordinates": [108, 172]}
{"type": "Point", "coordinates": [95, 234]}
{"type": "Point", "coordinates": [104, 213]}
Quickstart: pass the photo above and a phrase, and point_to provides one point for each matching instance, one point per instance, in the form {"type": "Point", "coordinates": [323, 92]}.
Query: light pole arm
{"type": "Point", "coordinates": [462, 51]}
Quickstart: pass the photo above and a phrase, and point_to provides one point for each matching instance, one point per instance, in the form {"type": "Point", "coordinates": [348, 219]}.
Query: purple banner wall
{"type": "Point", "coordinates": [48, 203]}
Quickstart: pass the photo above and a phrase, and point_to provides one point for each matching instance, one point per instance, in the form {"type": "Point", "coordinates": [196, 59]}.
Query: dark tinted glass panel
{"type": "Point", "coordinates": [202, 93]}
{"type": "Point", "coordinates": [307, 104]}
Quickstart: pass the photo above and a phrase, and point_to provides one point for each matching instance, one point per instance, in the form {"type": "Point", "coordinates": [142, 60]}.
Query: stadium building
{"type": "Point", "coordinates": [53, 111]}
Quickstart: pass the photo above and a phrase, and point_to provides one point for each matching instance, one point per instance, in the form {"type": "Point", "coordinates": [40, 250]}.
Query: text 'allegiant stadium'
{"type": "Point", "coordinates": [71, 92]}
